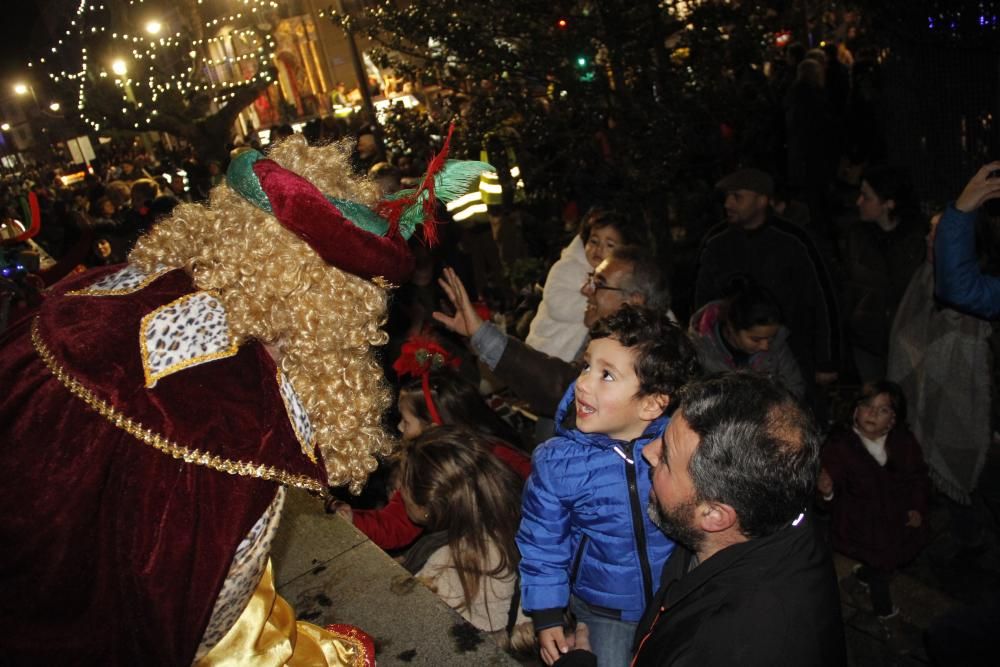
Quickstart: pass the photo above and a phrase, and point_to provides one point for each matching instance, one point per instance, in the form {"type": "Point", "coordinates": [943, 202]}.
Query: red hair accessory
{"type": "Point", "coordinates": [418, 358]}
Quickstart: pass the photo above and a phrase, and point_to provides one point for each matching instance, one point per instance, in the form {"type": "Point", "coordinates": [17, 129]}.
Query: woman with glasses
{"type": "Point", "coordinates": [558, 328]}
{"type": "Point", "coordinates": [875, 481]}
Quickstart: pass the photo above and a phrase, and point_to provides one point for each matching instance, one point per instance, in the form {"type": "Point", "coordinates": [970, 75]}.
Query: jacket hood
{"type": "Point", "coordinates": [705, 323]}
{"type": "Point", "coordinates": [576, 251]}
{"type": "Point", "coordinates": [566, 425]}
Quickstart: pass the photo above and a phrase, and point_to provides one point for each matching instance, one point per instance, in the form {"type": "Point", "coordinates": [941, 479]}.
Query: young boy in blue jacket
{"type": "Point", "coordinates": [586, 541]}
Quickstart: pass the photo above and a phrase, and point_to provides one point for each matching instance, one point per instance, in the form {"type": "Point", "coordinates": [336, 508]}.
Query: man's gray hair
{"type": "Point", "coordinates": [647, 280]}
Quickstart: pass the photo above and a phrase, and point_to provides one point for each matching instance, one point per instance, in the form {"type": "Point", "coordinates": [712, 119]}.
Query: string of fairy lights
{"type": "Point", "coordinates": [146, 65]}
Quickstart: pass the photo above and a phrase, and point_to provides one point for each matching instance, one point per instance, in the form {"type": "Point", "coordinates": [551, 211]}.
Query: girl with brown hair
{"type": "Point", "coordinates": [469, 503]}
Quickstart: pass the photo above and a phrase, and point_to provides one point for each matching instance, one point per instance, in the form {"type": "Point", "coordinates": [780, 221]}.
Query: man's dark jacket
{"type": "Point", "coordinates": [769, 601]}
{"type": "Point", "coordinates": [783, 258]}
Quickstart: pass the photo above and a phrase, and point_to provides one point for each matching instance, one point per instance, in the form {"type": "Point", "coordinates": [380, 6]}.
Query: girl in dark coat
{"type": "Point", "coordinates": [875, 480]}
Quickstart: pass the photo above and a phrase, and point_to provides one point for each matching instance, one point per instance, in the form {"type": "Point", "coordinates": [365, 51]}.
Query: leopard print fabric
{"type": "Point", "coordinates": [186, 332]}
{"type": "Point", "coordinates": [298, 417]}
{"type": "Point", "coordinates": [128, 280]}
{"type": "Point", "coordinates": [244, 575]}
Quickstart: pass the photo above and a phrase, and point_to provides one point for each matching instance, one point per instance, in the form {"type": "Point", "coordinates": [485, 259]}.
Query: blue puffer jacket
{"type": "Point", "coordinates": [584, 525]}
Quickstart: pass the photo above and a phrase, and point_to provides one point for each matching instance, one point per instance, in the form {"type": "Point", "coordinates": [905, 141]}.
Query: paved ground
{"type": "Point", "coordinates": [948, 574]}
{"type": "Point", "coordinates": [331, 573]}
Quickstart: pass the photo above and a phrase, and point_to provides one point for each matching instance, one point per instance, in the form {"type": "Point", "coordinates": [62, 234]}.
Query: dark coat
{"type": "Point", "coordinates": [870, 502]}
{"type": "Point", "coordinates": [879, 268]}
{"type": "Point", "coordinates": [769, 601]}
{"type": "Point", "coordinates": [535, 377]}
{"type": "Point", "coordinates": [785, 260]}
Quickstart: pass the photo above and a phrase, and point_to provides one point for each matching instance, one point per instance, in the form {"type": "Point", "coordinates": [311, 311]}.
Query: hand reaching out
{"type": "Point", "coordinates": [465, 321]}
{"type": "Point", "coordinates": [980, 189]}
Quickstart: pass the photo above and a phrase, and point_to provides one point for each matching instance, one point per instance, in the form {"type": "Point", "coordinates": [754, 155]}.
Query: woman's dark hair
{"type": "Point", "coordinates": [749, 304]}
{"type": "Point", "coordinates": [458, 402]}
{"type": "Point", "coordinates": [467, 491]}
{"type": "Point", "coordinates": [894, 183]}
{"type": "Point", "coordinates": [897, 399]}
{"type": "Point", "coordinates": [598, 218]}
{"type": "Point", "coordinates": [665, 358]}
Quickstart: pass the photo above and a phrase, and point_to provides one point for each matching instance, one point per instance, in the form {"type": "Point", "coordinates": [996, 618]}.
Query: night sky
{"type": "Point", "coordinates": [19, 30]}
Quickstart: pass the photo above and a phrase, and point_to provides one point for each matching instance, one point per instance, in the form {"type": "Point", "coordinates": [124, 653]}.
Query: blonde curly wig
{"type": "Point", "coordinates": [276, 290]}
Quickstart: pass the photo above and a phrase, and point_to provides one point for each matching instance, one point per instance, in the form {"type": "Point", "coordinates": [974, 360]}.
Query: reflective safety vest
{"type": "Point", "coordinates": [472, 208]}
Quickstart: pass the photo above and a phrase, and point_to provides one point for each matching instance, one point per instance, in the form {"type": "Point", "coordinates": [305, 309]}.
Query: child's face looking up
{"type": "Point", "coordinates": [607, 390]}
{"type": "Point", "coordinates": [874, 416]}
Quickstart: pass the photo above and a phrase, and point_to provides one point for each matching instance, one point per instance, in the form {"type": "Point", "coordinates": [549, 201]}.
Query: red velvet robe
{"type": "Point", "coordinates": [113, 551]}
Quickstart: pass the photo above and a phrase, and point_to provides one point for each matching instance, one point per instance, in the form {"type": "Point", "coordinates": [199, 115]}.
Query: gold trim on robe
{"type": "Point", "coordinates": [145, 435]}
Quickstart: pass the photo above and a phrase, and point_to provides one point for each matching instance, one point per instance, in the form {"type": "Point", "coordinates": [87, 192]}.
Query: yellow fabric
{"type": "Point", "coordinates": [268, 634]}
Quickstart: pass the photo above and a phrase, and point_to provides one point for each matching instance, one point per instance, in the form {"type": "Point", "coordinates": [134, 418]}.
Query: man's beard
{"type": "Point", "coordinates": [676, 523]}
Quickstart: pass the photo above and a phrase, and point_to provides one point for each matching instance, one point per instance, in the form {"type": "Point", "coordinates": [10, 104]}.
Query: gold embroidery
{"type": "Point", "coordinates": [381, 282]}
{"type": "Point", "coordinates": [97, 291]}
{"type": "Point", "coordinates": [308, 445]}
{"type": "Point", "coordinates": [151, 377]}
{"type": "Point", "coordinates": [137, 431]}
{"type": "Point", "coordinates": [351, 638]}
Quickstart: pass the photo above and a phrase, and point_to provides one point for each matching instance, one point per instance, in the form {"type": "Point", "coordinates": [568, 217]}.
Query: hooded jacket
{"type": "Point", "coordinates": [584, 526]}
{"type": "Point", "coordinates": [557, 328]}
{"type": "Point", "coordinates": [778, 362]}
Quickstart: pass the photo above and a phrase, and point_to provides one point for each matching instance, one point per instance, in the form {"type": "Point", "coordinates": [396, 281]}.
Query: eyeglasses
{"type": "Point", "coordinates": [881, 410]}
{"type": "Point", "coordinates": [596, 286]}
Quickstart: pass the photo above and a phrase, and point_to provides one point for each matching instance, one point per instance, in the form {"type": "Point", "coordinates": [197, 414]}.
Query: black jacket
{"type": "Point", "coordinates": [769, 601]}
{"type": "Point", "coordinates": [783, 258]}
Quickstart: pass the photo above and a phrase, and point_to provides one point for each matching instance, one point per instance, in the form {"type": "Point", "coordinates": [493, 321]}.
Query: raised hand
{"type": "Point", "coordinates": [465, 321]}
{"type": "Point", "coordinates": [980, 189]}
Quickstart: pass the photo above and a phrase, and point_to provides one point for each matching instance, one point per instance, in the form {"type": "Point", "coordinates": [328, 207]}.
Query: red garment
{"type": "Point", "coordinates": [114, 552]}
{"type": "Point", "coordinates": [870, 502]}
{"type": "Point", "coordinates": [390, 527]}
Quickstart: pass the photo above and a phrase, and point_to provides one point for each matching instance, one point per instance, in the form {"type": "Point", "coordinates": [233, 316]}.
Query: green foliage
{"type": "Point", "coordinates": [624, 101]}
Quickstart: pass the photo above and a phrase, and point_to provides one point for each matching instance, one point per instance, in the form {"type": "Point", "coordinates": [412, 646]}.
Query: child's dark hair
{"type": "Point", "coordinates": [598, 217]}
{"type": "Point", "coordinates": [468, 492]}
{"type": "Point", "coordinates": [749, 304]}
{"type": "Point", "coordinates": [665, 359]}
{"type": "Point", "coordinates": [458, 403]}
{"type": "Point", "coordinates": [897, 399]}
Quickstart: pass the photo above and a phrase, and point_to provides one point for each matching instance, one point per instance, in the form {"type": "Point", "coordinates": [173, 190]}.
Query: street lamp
{"type": "Point", "coordinates": [119, 67]}
{"type": "Point", "coordinates": [5, 127]}
{"type": "Point", "coordinates": [20, 88]}
{"type": "Point", "coordinates": [153, 27]}
{"type": "Point", "coordinates": [54, 107]}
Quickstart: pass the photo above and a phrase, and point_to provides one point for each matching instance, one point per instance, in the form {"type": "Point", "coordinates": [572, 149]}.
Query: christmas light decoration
{"type": "Point", "coordinates": [229, 54]}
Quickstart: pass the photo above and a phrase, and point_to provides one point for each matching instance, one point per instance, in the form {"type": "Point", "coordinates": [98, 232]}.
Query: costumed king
{"type": "Point", "coordinates": [155, 411]}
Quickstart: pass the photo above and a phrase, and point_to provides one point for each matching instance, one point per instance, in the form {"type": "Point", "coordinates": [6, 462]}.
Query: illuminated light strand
{"type": "Point", "coordinates": [262, 47]}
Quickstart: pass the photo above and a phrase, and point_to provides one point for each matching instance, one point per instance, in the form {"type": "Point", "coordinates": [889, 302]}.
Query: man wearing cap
{"type": "Point", "coordinates": [782, 258]}
{"type": "Point", "coordinates": [155, 412]}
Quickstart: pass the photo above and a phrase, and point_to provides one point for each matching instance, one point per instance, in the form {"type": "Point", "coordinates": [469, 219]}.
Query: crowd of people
{"type": "Point", "coordinates": [596, 477]}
